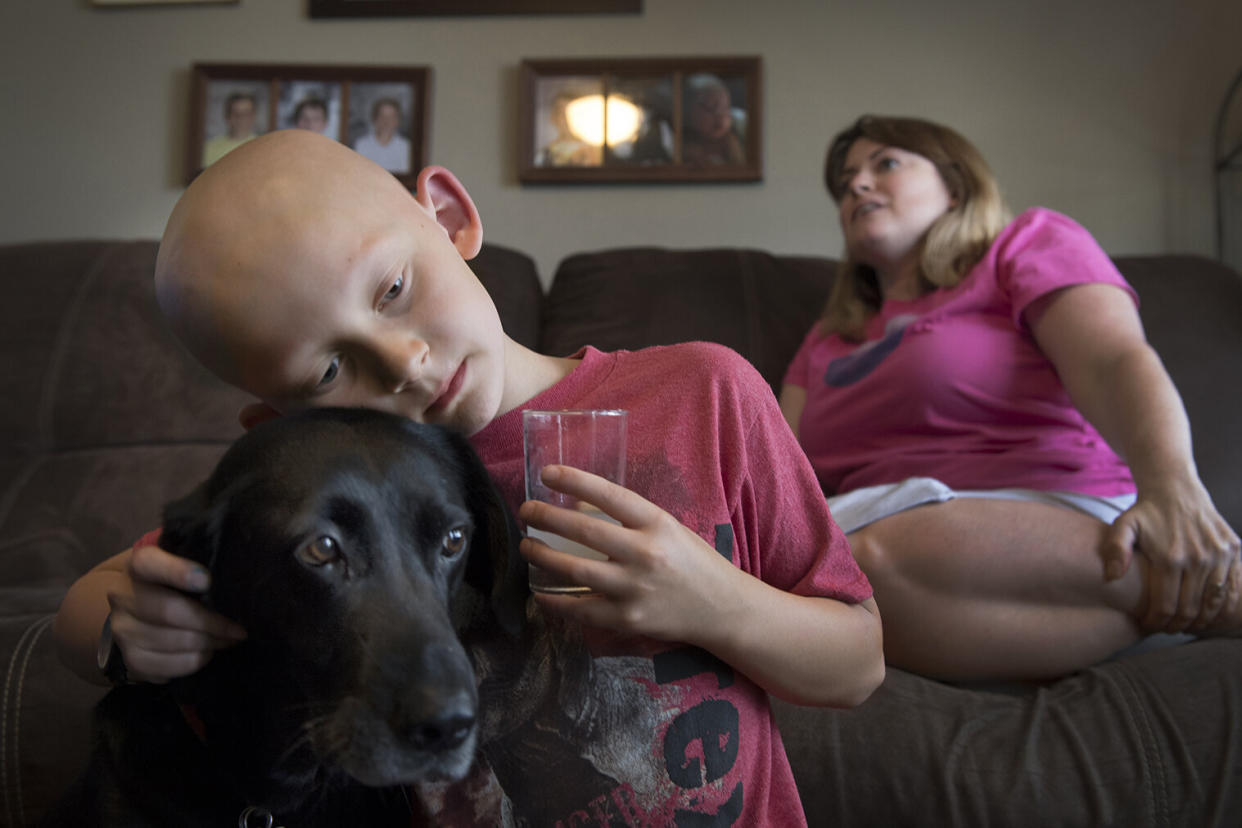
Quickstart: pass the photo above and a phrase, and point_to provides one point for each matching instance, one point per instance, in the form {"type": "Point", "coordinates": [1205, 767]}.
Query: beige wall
{"type": "Point", "coordinates": [1100, 108]}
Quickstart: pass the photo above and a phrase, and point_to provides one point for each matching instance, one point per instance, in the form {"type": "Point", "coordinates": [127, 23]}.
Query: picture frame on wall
{"type": "Point", "coordinates": [380, 111]}
{"type": "Point", "coordinates": [678, 119]}
{"type": "Point", "coordinates": [409, 8]}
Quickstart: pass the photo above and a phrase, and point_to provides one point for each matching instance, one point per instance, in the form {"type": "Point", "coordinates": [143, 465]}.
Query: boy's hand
{"type": "Point", "coordinates": [661, 580]}
{"type": "Point", "coordinates": [664, 581]}
{"type": "Point", "coordinates": [162, 631]}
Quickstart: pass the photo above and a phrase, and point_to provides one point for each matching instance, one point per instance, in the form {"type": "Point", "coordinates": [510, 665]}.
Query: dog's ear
{"type": "Point", "coordinates": [510, 581]}
{"type": "Point", "coordinates": [191, 529]}
{"type": "Point", "coordinates": [184, 524]}
{"type": "Point", "coordinates": [495, 567]}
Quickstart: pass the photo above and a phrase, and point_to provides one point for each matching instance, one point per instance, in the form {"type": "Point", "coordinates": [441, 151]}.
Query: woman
{"type": "Point", "coordinates": [965, 391]}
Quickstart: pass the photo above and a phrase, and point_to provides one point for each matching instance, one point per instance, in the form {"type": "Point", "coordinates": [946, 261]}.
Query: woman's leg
{"type": "Point", "coordinates": [996, 589]}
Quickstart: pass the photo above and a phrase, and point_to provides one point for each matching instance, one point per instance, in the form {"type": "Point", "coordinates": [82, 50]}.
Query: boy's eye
{"type": "Point", "coordinates": [334, 368]}
{"type": "Point", "coordinates": [394, 291]}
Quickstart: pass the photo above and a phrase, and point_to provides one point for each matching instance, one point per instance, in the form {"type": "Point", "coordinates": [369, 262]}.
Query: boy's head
{"type": "Point", "coordinates": [305, 274]}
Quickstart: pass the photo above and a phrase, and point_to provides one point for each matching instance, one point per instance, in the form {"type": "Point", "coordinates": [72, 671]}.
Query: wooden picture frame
{"type": "Point", "coordinates": [380, 111]}
{"type": "Point", "coordinates": [640, 119]}
{"type": "Point", "coordinates": [409, 8]}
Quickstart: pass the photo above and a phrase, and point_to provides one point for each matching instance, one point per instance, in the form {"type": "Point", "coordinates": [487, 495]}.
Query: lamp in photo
{"type": "Point", "coordinates": [595, 118]}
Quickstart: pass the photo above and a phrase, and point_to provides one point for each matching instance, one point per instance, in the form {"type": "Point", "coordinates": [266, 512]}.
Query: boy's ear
{"type": "Point", "coordinates": [256, 413]}
{"type": "Point", "coordinates": [443, 195]}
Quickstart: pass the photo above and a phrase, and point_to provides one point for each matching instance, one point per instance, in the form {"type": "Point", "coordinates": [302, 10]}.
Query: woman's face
{"type": "Point", "coordinates": [889, 199]}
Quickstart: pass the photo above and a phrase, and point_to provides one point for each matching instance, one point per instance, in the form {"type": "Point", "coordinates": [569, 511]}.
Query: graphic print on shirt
{"type": "Point", "coordinates": [628, 740]}
{"type": "Point", "coordinates": [864, 359]}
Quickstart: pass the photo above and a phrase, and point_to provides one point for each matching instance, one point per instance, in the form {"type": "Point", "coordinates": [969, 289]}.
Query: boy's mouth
{"type": "Point", "coordinates": [447, 393]}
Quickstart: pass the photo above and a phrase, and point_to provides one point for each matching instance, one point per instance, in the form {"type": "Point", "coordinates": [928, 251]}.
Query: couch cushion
{"type": "Point", "coordinates": [107, 407]}
{"type": "Point", "coordinates": [511, 279]}
{"type": "Point", "coordinates": [1148, 741]}
{"type": "Point", "coordinates": [759, 304]}
{"type": "Point", "coordinates": [1192, 311]}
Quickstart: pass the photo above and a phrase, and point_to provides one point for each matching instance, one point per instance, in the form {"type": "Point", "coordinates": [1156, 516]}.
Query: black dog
{"type": "Point", "coordinates": [357, 549]}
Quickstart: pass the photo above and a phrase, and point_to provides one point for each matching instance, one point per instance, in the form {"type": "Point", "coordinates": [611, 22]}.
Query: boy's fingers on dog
{"type": "Point", "coordinates": [152, 564]}
{"type": "Point", "coordinates": [160, 607]}
{"type": "Point", "coordinates": [157, 667]}
{"type": "Point", "coordinates": [169, 641]}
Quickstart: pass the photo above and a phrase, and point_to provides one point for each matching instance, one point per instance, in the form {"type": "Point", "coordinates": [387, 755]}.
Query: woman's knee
{"type": "Point", "coordinates": [869, 552]}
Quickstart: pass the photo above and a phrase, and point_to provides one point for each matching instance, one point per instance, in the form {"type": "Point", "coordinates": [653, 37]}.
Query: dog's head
{"type": "Point", "coordinates": [353, 546]}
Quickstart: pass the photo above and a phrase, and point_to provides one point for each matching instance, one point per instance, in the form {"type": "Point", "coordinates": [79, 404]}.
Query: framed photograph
{"type": "Point", "coordinates": [380, 111]}
{"type": "Point", "coordinates": [640, 119]}
{"type": "Point", "coordinates": [407, 8]}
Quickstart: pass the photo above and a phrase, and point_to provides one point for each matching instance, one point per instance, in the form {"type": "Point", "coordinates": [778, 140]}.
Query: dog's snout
{"type": "Point", "coordinates": [441, 733]}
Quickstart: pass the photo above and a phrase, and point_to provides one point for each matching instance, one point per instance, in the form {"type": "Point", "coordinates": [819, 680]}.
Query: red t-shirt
{"type": "Point", "coordinates": [674, 734]}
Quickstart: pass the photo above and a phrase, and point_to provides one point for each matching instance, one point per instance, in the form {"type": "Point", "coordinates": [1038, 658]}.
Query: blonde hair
{"type": "Point", "coordinates": [953, 244]}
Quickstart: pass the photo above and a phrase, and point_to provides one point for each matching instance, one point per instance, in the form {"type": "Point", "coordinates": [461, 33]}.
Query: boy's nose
{"type": "Point", "coordinates": [401, 362]}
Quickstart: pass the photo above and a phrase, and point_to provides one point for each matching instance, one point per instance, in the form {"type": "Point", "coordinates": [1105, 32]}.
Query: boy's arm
{"type": "Point", "coordinates": [664, 581]}
{"type": "Point", "coordinates": [162, 631]}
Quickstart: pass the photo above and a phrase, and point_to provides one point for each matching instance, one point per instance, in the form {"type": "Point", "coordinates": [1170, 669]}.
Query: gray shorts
{"type": "Point", "coordinates": [854, 510]}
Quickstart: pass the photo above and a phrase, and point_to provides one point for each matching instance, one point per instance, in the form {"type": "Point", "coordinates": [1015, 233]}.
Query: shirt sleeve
{"type": "Point", "coordinates": [796, 544]}
{"type": "Point", "coordinates": [1043, 251]}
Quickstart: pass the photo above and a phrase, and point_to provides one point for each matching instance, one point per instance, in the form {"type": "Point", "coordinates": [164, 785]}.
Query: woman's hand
{"type": "Point", "coordinates": [660, 579]}
{"type": "Point", "coordinates": [1094, 337]}
{"type": "Point", "coordinates": [1193, 570]}
{"type": "Point", "coordinates": [163, 631]}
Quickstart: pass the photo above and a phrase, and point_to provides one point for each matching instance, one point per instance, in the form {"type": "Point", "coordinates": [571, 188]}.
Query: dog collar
{"type": "Point", "coordinates": [250, 816]}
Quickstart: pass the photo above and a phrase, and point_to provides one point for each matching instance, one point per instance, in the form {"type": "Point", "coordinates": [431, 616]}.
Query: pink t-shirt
{"type": "Point", "coordinates": [686, 739]}
{"type": "Point", "coordinates": [953, 386]}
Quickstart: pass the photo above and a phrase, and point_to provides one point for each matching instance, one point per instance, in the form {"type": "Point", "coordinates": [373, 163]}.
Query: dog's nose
{"type": "Point", "coordinates": [441, 733]}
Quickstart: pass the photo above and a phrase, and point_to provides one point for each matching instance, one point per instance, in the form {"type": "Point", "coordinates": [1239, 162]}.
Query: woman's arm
{"type": "Point", "coordinates": [1094, 338]}
{"type": "Point", "coordinates": [792, 401]}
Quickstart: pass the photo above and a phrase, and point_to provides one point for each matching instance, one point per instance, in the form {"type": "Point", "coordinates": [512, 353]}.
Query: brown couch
{"type": "Point", "coordinates": [106, 418]}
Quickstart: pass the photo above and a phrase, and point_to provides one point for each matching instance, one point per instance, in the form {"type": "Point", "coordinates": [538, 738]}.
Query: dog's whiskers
{"type": "Point", "coordinates": [306, 733]}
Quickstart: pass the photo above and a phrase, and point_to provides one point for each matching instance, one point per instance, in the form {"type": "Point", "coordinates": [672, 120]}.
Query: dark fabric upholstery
{"type": "Point", "coordinates": [1144, 742]}
{"type": "Point", "coordinates": [106, 418]}
{"type": "Point", "coordinates": [756, 303]}
{"type": "Point", "coordinates": [1192, 312]}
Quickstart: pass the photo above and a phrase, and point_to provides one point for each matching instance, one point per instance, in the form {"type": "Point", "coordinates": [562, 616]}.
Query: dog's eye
{"type": "Point", "coordinates": [454, 541]}
{"type": "Point", "coordinates": [322, 551]}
